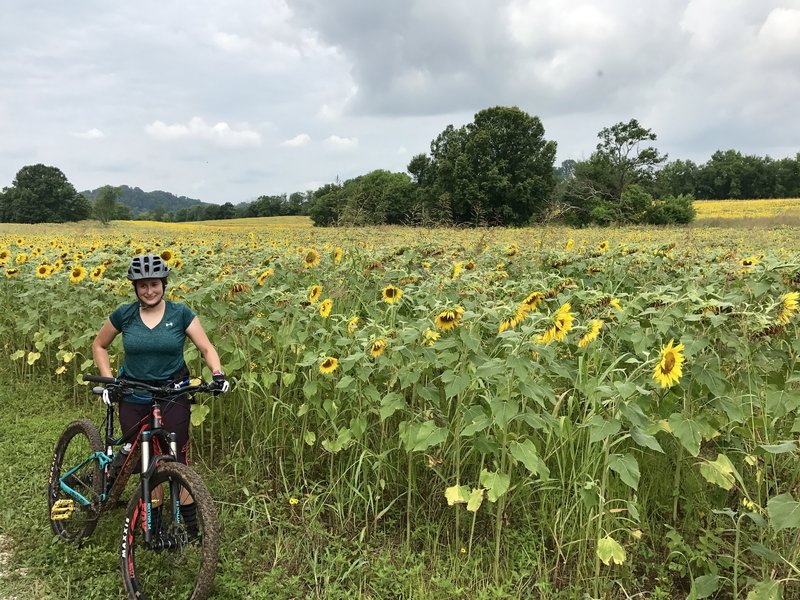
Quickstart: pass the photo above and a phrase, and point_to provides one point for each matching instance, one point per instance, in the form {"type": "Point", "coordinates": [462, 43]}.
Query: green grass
{"type": "Point", "coordinates": [270, 549]}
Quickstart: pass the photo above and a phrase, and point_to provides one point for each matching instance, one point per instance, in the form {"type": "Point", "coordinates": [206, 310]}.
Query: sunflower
{"type": "Point", "coordinates": [392, 294]}
{"type": "Point", "coordinates": [751, 261]}
{"type": "Point", "coordinates": [570, 243]}
{"type": "Point", "coordinates": [457, 267]}
{"type": "Point", "coordinates": [352, 324]}
{"type": "Point", "coordinates": [426, 264]}
{"type": "Point", "coordinates": [58, 265]}
{"type": "Point", "coordinates": [603, 246]}
{"type": "Point", "coordinates": [13, 272]}
{"type": "Point", "coordinates": [4, 255]}
{"type": "Point", "coordinates": [77, 274]}
{"type": "Point", "coordinates": [511, 250]}
{"type": "Point", "coordinates": [789, 307]}
{"type": "Point", "coordinates": [21, 258]}
{"type": "Point", "coordinates": [507, 323]}
{"type": "Point", "coordinates": [44, 271]}
{"type": "Point", "coordinates": [314, 293]}
{"type": "Point", "coordinates": [328, 365]}
{"type": "Point", "coordinates": [595, 326]}
{"type": "Point", "coordinates": [263, 277]}
{"type": "Point", "coordinates": [562, 323]}
{"type": "Point", "coordinates": [97, 273]}
{"type": "Point", "coordinates": [430, 336]}
{"type": "Point", "coordinates": [311, 259]}
{"type": "Point", "coordinates": [325, 308]}
{"type": "Point", "coordinates": [236, 289]}
{"type": "Point", "coordinates": [337, 255]}
{"type": "Point", "coordinates": [469, 265]}
{"type": "Point", "coordinates": [531, 302]}
{"type": "Point", "coordinates": [193, 252]}
{"type": "Point", "coordinates": [449, 319]}
{"type": "Point", "coordinates": [377, 347]}
{"type": "Point", "coordinates": [668, 369]}
{"type": "Point", "coordinates": [167, 255]}
{"type": "Point", "coordinates": [614, 303]}
{"type": "Point", "coordinates": [177, 264]}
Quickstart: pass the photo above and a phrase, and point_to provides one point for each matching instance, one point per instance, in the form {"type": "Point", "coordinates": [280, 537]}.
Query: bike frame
{"type": "Point", "coordinates": [145, 437]}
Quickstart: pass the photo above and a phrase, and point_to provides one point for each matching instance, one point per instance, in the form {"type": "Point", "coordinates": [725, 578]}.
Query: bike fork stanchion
{"type": "Point", "coordinates": [148, 504]}
{"type": "Point", "coordinates": [174, 487]}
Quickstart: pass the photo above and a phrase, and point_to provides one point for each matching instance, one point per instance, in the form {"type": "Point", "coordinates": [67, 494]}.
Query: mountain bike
{"type": "Point", "coordinates": [163, 554]}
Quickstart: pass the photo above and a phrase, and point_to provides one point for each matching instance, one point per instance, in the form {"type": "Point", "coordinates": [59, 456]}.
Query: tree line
{"type": "Point", "coordinates": [497, 170]}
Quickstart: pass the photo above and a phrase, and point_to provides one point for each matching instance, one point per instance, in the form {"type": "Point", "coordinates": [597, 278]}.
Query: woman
{"type": "Point", "coordinates": [154, 331]}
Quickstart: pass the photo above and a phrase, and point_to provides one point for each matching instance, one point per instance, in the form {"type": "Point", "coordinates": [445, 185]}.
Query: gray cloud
{"type": "Point", "coordinates": [227, 101]}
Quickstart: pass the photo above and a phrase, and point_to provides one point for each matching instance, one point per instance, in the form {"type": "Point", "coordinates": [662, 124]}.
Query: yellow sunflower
{"type": "Point", "coordinates": [507, 323]}
{"type": "Point", "coordinates": [193, 252]}
{"type": "Point", "coordinates": [167, 255]}
{"type": "Point", "coordinates": [430, 336]}
{"type": "Point", "coordinates": [263, 277]}
{"type": "Point", "coordinates": [392, 294]}
{"type": "Point", "coordinates": [668, 370]}
{"type": "Point", "coordinates": [328, 365]}
{"type": "Point", "coordinates": [21, 258]}
{"type": "Point", "coordinates": [512, 250]}
{"type": "Point", "coordinates": [314, 293]}
{"type": "Point", "coordinates": [469, 265]}
{"type": "Point", "coordinates": [614, 303]}
{"type": "Point", "coordinates": [594, 330]}
{"type": "Point", "coordinates": [751, 261]}
{"type": "Point", "coordinates": [449, 319]}
{"type": "Point", "coordinates": [325, 308]}
{"type": "Point", "coordinates": [562, 323]}
{"type": "Point", "coordinates": [337, 255]}
{"type": "Point", "coordinates": [529, 305]}
{"type": "Point", "coordinates": [789, 307]}
{"type": "Point", "coordinates": [97, 273]}
{"type": "Point", "coordinates": [352, 324]}
{"type": "Point", "coordinates": [570, 243]}
{"type": "Point", "coordinates": [457, 270]}
{"type": "Point", "coordinates": [603, 246]}
{"type": "Point", "coordinates": [311, 259]}
{"type": "Point", "coordinates": [377, 347]}
{"type": "Point", "coordinates": [43, 271]}
{"type": "Point", "coordinates": [77, 274]}
{"type": "Point", "coordinates": [13, 272]}
{"type": "Point", "coordinates": [177, 264]}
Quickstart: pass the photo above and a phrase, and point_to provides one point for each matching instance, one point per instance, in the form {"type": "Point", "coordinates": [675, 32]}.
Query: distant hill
{"type": "Point", "coordinates": [139, 201]}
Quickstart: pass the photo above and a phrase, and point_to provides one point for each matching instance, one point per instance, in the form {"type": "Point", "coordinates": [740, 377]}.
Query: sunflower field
{"type": "Point", "coordinates": [611, 411]}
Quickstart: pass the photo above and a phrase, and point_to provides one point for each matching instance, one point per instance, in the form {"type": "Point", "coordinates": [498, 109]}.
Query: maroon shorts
{"type": "Point", "coordinates": [175, 416]}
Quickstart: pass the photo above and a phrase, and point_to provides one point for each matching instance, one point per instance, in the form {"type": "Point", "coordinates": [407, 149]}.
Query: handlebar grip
{"type": "Point", "coordinates": [98, 379]}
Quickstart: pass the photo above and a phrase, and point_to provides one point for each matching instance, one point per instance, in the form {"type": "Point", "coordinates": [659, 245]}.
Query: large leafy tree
{"type": "Point", "coordinates": [105, 204]}
{"type": "Point", "coordinates": [42, 194]}
{"type": "Point", "coordinates": [497, 169]}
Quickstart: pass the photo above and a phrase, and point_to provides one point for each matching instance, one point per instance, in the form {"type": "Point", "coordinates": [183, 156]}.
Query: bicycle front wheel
{"type": "Point", "coordinates": [75, 483]}
{"type": "Point", "coordinates": [181, 559]}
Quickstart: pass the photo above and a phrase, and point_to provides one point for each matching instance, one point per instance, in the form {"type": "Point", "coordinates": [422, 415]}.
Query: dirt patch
{"type": "Point", "coordinates": [6, 553]}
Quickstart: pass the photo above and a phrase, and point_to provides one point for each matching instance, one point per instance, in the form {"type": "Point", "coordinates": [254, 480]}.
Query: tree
{"type": "Point", "coordinates": [497, 169]}
{"type": "Point", "coordinates": [326, 205]}
{"type": "Point", "coordinates": [42, 194]}
{"type": "Point", "coordinates": [621, 146]}
{"type": "Point", "coordinates": [105, 203]}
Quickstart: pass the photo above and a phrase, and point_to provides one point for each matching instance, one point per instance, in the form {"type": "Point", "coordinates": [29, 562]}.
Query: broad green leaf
{"type": "Point", "coordinates": [457, 494]}
{"type": "Point", "coordinates": [475, 500]}
{"type": "Point", "coordinates": [627, 467]}
{"type": "Point", "coordinates": [625, 388]}
{"type": "Point", "coordinates": [526, 453]}
{"type": "Point", "coordinates": [309, 389]}
{"type": "Point", "coordinates": [288, 378]}
{"type": "Point", "coordinates": [390, 404]}
{"type": "Point", "coordinates": [342, 442]}
{"type": "Point", "coordinates": [765, 553]}
{"type": "Point", "coordinates": [781, 448]}
{"type": "Point", "coordinates": [496, 484]}
{"type": "Point", "coordinates": [418, 437]}
{"type": "Point", "coordinates": [309, 437]}
{"type": "Point", "coordinates": [503, 412]}
{"type": "Point", "coordinates": [475, 419]}
{"type": "Point", "coordinates": [600, 429]}
{"type": "Point", "coordinates": [645, 439]}
{"type": "Point", "coordinates": [345, 382]}
{"type": "Point", "coordinates": [703, 587]}
{"type": "Point", "coordinates": [719, 472]}
{"type": "Point", "coordinates": [199, 414]}
{"type": "Point", "coordinates": [687, 431]}
{"type": "Point", "coordinates": [18, 354]}
{"type": "Point", "coordinates": [610, 552]}
{"type": "Point", "coordinates": [459, 383]}
{"type": "Point", "coordinates": [766, 590]}
{"type": "Point", "coordinates": [784, 512]}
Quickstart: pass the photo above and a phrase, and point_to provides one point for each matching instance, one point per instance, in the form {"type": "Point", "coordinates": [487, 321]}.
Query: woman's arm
{"type": "Point", "coordinates": [199, 338]}
{"type": "Point", "coordinates": [100, 346]}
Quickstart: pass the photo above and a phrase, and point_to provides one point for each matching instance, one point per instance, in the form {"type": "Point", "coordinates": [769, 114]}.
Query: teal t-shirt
{"type": "Point", "coordinates": [152, 354]}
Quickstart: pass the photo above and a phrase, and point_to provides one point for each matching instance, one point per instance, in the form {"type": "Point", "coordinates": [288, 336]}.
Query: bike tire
{"type": "Point", "coordinates": [185, 570]}
{"type": "Point", "coordinates": [77, 442]}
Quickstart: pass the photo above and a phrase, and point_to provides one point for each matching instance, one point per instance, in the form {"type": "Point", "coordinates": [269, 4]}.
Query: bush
{"type": "Point", "coordinates": [672, 210]}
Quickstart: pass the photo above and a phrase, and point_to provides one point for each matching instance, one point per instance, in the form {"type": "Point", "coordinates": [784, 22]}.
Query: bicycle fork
{"type": "Point", "coordinates": [147, 471]}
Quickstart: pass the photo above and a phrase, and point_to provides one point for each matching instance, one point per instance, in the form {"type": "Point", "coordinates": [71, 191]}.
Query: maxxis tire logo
{"type": "Point", "coordinates": [125, 531]}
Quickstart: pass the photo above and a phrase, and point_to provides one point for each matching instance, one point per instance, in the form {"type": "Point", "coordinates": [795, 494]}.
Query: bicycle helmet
{"type": "Point", "coordinates": [147, 266]}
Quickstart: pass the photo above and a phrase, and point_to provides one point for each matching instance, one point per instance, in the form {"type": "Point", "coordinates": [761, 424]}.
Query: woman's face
{"type": "Point", "coordinates": [149, 291]}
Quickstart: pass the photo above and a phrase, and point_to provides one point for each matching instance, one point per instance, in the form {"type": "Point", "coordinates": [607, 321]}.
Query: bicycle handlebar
{"type": "Point", "coordinates": [129, 383]}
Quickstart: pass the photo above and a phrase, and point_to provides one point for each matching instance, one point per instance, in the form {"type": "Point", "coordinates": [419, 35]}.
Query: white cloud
{"type": "Point", "coordinates": [220, 134]}
{"type": "Point", "coordinates": [230, 42]}
{"type": "Point", "coordinates": [300, 139]}
{"type": "Point", "coordinates": [342, 142]}
{"type": "Point", "coordinates": [402, 150]}
{"type": "Point", "coordinates": [92, 134]}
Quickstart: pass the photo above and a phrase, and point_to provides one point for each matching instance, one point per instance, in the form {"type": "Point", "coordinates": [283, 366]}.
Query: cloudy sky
{"type": "Point", "coordinates": [225, 101]}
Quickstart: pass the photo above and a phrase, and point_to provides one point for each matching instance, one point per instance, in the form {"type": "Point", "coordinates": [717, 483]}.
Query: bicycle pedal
{"type": "Point", "coordinates": [62, 509]}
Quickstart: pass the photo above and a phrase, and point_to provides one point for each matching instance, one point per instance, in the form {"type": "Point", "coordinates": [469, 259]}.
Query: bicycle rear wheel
{"type": "Point", "coordinates": [73, 516]}
{"type": "Point", "coordinates": [181, 561]}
